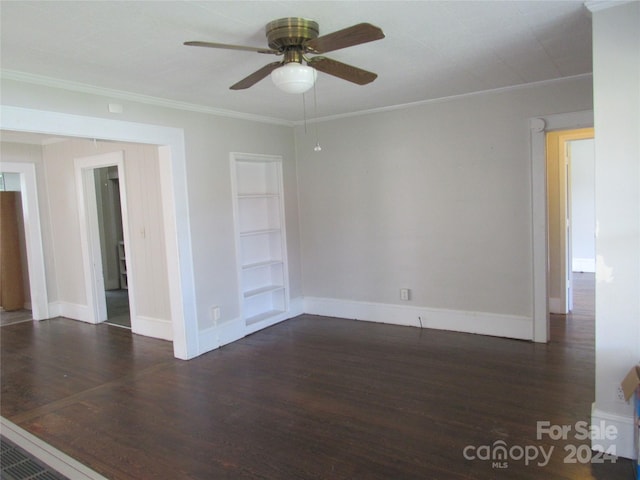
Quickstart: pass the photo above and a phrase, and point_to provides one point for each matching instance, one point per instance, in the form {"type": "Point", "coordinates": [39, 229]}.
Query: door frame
{"type": "Point", "coordinates": [33, 237]}
{"type": "Point", "coordinates": [564, 303]}
{"type": "Point", "coordinates": [85, 168]}
{"type": "Point", "coordinates": [568, 225]}
{"type": "Point", "coordinates": [538, 127]}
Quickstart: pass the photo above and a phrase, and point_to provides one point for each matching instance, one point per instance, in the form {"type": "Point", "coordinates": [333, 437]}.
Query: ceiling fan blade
{"type": "Point", "coordinates": [347, 37]}
{"type": "Point", "coordinates": [229, 47]}
{"type": "Point", "coordinates": [255, 77]}
{"type": "Point", "coordinates": [342, 70]}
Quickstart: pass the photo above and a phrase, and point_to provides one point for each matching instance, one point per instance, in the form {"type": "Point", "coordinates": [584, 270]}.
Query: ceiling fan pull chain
{"type": "Point", "coordinates": [317, 147]}
{"type": "Point", "coordinates": [304, 113]}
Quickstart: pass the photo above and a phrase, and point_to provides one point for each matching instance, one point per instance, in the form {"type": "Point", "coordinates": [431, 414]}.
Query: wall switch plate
{"type": "Point", "coordinates": [620, 394]}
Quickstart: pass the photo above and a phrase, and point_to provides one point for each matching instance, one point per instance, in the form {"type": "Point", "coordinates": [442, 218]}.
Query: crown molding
{"type": "Point", "coordinates": [135, 97]}
{"type": "Point", "coordinates": [162, 102]}
{"type": "Point", "coordinates": [599, 5]}
{"type": "Point", "coordinates": [404, 106]}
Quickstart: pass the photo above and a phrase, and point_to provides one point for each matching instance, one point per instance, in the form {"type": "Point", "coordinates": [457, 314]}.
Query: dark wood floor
{"type": "Point", "coordinates": [16, 316]}
{"type": "Point", "coordinates": [310, 398]}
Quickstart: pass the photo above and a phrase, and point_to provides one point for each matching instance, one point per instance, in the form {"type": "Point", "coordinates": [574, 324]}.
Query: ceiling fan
{"type": "Point", "coordinates": [294, 38]}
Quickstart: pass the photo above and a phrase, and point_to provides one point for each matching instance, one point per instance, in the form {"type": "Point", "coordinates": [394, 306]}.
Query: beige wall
{"type": "Point", "coordinates": [147, 256]}
{"type": "Point", "coordinates": [434, 198]}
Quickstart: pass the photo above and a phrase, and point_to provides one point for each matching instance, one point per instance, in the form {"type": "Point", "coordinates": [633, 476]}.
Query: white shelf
{"type": "Point", "coordinates": [122, 266]}
{"type": "Point", "coordinates": [250, 196]}
{"type": "Point", "coordinates": [262, 290]}
{"type": "Point", "coordinates": [263, 316]}
{"type": "Point", "coordinates": [266, 263]}
{"type": "Point", "coordinates": [250, 233]}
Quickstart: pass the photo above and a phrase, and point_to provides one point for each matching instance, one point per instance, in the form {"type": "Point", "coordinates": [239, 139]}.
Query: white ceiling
{"type": "Point", "coordinates": [432, 49]}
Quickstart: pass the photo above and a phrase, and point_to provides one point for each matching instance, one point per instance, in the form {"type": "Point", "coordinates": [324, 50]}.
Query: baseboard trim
{"type": "Point", "coordinates": [54, 458]}
{"type": "Point", "coordinates": [555, 306]}
{"type": "Point", "coordinates": [269, 322]}
{"type": "Point", "coordinates": [54, 309]}
{"type": "Point", "coordinates": [296, 307]}
{"type": "Point", "coordinates": [220, 334]}
{"type": "Point", "coordinates": [623, 444]}
{"type": "Point", "coordinates": [70, 310]}
{"type": "Point", "coordinates": [208, 340]}
{"type": "Point", "coordinates": [152, 327]}
{"type": "Point", "coordinates": [142, 325]}
{"type": "Point", "coordinates": [231, 330]}
{"type": "Point", "coordinates": [499, 325]}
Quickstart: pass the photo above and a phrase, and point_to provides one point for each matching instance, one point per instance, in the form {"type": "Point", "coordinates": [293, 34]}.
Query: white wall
{"type": "Point", "coordinates": [11, 182]}
{"type": "Point", "coordinates": [616, 50]}
{"type": "Point", "coordinates": [583, 214]}
{"type": "Point", "coordinates": [208, 141]}
{"type": "Point", "coordinates": [435, 198]}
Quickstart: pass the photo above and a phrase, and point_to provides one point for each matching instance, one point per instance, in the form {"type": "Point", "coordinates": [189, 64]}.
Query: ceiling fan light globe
{"type": "Point", "coordinates": [294, 77]}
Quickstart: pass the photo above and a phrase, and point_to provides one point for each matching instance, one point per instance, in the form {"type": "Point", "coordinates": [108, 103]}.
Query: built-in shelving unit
{"type": "Point", "coordinates": [122, 266]}
{"type": "Point", "coordinates": [261, 242]}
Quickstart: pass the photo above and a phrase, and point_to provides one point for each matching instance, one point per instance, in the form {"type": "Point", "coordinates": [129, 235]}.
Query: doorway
{"type": "Point", "coordinates": [112, 246]}
{"type": "Point", "coordinates": [105, 238]}
{"type": "Point", "coordinates": [14, 276]}
{"type": "Point", "coordinates": [25, 176]}
{"type": "Point", "coordinates": [570, 212]}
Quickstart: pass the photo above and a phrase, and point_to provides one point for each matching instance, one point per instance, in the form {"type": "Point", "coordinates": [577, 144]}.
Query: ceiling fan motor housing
{"type": "Point", "coordinates": [284, 33]}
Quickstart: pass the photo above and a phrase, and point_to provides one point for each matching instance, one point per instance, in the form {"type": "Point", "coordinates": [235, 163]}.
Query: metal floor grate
{"type": "Point", "coordinates": [19, 465]}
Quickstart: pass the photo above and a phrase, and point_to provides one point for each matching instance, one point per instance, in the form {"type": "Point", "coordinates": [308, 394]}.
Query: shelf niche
{"type": "Point", "coordinates": [260, 237]}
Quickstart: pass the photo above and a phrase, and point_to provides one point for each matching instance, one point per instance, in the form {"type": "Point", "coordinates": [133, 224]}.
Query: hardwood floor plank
{"type": "Point", "coordinates": [50, 360]}
{"type": "Point", "coordinates": [310, 398]}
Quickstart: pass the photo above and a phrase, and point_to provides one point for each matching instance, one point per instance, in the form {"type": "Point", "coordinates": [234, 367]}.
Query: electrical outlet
{"type": "Point", "coordinates": [620, 394]}
{"type": "Point", "coordinates": [404, 294]}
